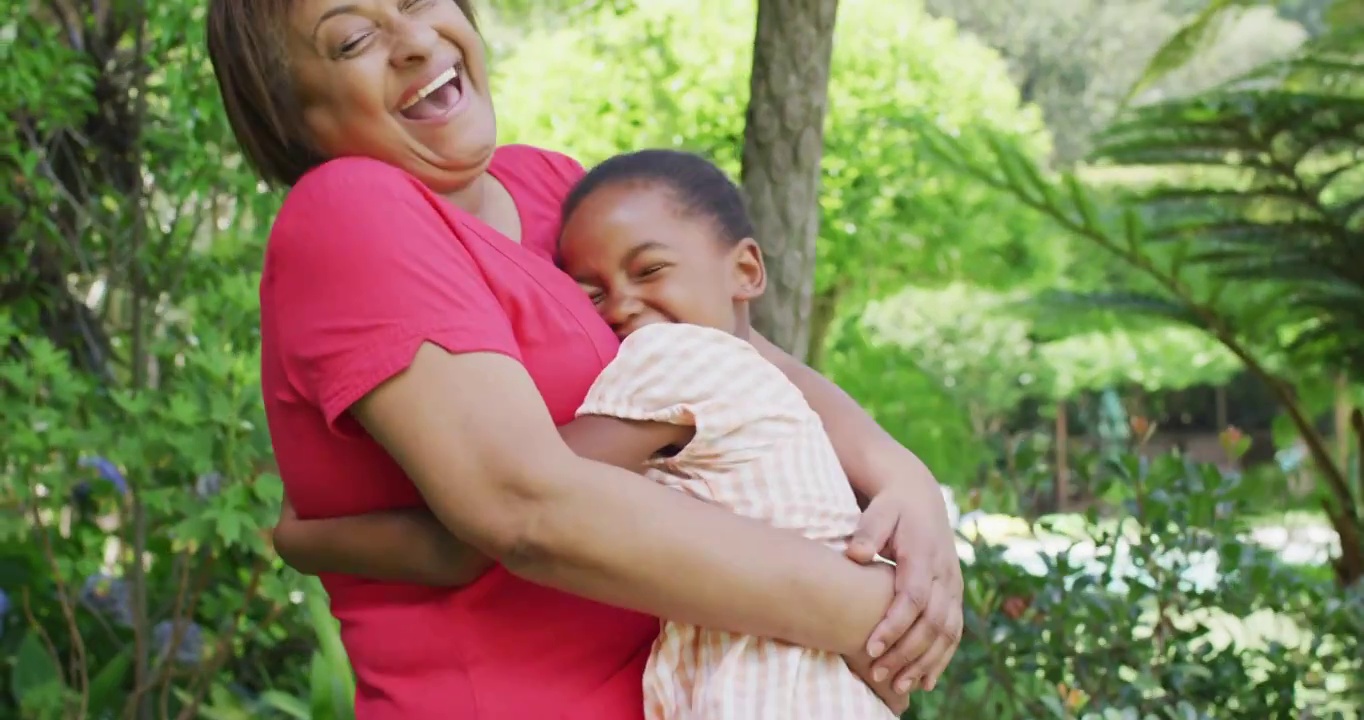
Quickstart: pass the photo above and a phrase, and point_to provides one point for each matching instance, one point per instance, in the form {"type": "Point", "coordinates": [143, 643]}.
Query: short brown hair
{"type": "Point", "coordinates": [246, 44]}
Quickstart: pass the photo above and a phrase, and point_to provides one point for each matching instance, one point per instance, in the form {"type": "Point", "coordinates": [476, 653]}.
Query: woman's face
{"type": "Point", "coordinates": [403, 81]}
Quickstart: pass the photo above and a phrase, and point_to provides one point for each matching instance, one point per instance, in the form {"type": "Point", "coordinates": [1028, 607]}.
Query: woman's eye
{"type": "Point", "coordinates": [409, 4]}
{"type": "Point", "coordinates": [650, 270]}
{"type": "Point", "coordinates": [351, 44]}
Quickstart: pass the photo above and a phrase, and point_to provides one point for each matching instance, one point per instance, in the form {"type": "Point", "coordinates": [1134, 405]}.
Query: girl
{"type": "Point", "coordinates": [677, 293]}
{"type": "Point", "coordinates": [662, 244]}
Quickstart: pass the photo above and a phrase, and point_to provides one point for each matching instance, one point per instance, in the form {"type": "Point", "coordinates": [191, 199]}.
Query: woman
{"type": "Point", "coordinates": [419, 347]}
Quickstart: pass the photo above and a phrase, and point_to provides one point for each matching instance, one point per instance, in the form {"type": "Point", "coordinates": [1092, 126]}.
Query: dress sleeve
{"type": "Point", "coordinates": [362, 268]}
{"type": "Point", "coordinates": [570, 171]}
{"type": "Point", "coordinates": [691, 375]}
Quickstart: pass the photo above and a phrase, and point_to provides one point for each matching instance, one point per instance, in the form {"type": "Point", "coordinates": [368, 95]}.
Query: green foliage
{"type": "Point", "coordinates": [1077, 59]}
{"type": "Point", "coordinates": [1168, 612]}
{"type": "Point", "coordinates": [889, 219]}
{"type": "Point", "coordinates": [136, 453]}
{"type": "Point", "coordinates": [1252, 235]}
{"type": "Point", "coordinates": [1205, 28]}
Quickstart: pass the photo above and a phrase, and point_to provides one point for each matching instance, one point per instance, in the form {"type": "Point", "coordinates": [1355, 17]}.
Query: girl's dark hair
{"type": "Point", "coordinates": [700, 188]}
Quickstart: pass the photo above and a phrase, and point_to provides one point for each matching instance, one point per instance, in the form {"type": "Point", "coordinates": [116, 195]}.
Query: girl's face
{"type": "Point", "coordinates": [643, 259]}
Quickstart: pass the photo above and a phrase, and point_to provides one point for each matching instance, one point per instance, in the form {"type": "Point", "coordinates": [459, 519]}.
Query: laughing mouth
{"type": "Point", "coordinates": [437, 97]}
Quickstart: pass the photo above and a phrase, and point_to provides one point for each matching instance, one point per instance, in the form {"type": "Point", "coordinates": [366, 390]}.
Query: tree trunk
{"type": "Point", "coordinates": [783, 145]}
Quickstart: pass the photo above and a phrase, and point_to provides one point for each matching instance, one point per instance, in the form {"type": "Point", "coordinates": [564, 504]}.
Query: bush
{"type": "Point", "coordinates": [1168, 612]}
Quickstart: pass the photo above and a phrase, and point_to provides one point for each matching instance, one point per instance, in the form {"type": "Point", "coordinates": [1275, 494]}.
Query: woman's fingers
{"type": "Point", "coordinates": [931, 681]}
{"type": "Point", "coordinates": [943, 622]}
{"type": "Point", "coordinates": [884, 688]}
{"type": "Point", "coordinates": [913, 589]}
{"type": "Point", "coordinates": [933, 635]}
{"type": "Point", "coordinates": [874, 530]}
{"type": "Point", "coordinates": [918, 672]}
{"type": "Point", "coordinates": [904, 652]}
{"type": "Point", "coordinates": [898, 702]}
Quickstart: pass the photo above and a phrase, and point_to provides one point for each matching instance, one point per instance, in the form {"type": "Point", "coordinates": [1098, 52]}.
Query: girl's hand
{"type": "Point", "coordinates": [921, 631]}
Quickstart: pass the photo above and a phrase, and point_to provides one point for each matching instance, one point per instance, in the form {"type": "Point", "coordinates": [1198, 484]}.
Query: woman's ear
{"type": "Point", "coordinates": [750, 277]}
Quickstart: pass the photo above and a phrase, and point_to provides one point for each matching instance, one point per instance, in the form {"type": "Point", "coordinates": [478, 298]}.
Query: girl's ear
{"type": "Point", "coordinates": [750, 277]}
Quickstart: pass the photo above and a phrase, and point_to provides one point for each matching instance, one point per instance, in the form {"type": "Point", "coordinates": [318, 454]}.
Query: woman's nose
{"type": "Point", "coordinates": [414, 43]}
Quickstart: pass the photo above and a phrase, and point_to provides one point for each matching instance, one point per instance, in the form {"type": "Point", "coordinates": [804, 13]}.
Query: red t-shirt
{"type": "Point", "coordinates": [365, 264]}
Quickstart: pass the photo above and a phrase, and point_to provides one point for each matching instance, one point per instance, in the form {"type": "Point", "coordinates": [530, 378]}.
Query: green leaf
{"type": "Point", "coordinates": [330, 663]}
{"type": "Point", "coordinates": [1345, 14]}
{"type": "Point", "coordinates": [106, 687]}
{"type": "Point", "coordinates": [1080, 196]}
{"type": "Point", "coordinates": [1190, 40]}
{"type": "Point", "coordinates": [36, 672]}
{"type": "Point", "coordinates": [287, 704]}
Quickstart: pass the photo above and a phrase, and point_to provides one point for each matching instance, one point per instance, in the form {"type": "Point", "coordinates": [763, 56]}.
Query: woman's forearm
{"type": "Point", "coordinates": [634, 544]}
{"type": "Point", "coordinates": [473, 434]}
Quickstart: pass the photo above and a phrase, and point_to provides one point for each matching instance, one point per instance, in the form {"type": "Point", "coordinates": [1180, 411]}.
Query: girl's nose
{"type": "Point", "coordinates": [621, 310]}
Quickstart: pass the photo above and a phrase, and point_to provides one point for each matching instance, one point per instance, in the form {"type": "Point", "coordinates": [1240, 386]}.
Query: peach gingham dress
{"type": "Point", "coordinates": [760, 451]}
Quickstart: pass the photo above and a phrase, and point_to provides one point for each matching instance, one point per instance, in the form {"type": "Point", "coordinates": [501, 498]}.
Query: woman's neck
{"type": "Point", "coordinates": [489, 201]}
{"type": "Point", "coordinates": [472, 197]}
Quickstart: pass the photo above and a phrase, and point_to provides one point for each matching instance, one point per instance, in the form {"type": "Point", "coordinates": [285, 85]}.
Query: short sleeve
{"type": "Point", "coordinates": [692, 375]}
{"type": "Point", "coordinates": [569, 171]}
{"type": "Point", "coordinates": [363, 267]}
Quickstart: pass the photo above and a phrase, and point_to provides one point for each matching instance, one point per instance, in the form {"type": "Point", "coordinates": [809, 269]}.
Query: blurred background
{"type": "Point", "coordinates": [1099, 262]}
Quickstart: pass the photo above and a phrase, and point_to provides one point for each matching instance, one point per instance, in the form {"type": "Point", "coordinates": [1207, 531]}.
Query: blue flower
{"type": "Point", "coordinates": [190, 649]}
{"type": "Point", "coordinates": [107, 471]}
{"type": "Point", "coordinates": [208, 485]}
{"type": "Point", "coordinates": [109, 596]}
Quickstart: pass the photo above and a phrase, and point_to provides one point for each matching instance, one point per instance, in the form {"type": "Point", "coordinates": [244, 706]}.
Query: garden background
{"type": "Point", "coordinates": [1100, 262]}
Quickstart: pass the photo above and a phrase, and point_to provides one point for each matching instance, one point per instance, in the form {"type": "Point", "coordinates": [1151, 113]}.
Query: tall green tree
{"type": "Point", "coordinates": [783, 146]}
{"type": "Point", "coordinates": [888, 216]}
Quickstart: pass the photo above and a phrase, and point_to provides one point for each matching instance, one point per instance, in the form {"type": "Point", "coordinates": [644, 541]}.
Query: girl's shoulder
{"type": "Point", "coordinates": [739, 403]}
{"type": "Point", "coordinates": [670, 365]}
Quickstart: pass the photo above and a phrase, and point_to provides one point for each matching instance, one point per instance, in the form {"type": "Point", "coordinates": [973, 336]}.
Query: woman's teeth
{"type": "Point", "coordinates": [430, 87]}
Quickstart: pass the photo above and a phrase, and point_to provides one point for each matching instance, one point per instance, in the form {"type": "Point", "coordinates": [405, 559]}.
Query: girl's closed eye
{"type": "Point", "coordinates": [594, 294]}
{"type": "Point", "coordinates": [651, 270]}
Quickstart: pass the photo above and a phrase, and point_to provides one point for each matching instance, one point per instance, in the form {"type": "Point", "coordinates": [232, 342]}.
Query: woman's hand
{"type": "Point", "coordinates": [921, 631]}
{"type": "Point", "coordinates": [897, 701]}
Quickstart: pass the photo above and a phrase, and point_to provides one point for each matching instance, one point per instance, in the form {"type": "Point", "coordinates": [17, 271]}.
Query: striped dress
{"type": "Point", "coordinates": [760, 451]}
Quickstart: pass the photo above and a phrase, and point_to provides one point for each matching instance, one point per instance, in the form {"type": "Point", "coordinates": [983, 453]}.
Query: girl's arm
{"type": "Point", "coordinates": [472, 433]}
{"type": "Point", "coordinates": [411, 545]}
{"type": "Point", "coordinates": [873, 460]}
{"type": "Point", "coordinates": [905, 520]}
{"type": "Point", "coordinates": [407, 545]}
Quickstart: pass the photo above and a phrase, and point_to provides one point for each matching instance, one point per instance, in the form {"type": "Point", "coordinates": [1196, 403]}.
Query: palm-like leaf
{"type": "Point", "coordinates": [1267, 185]}
{"type": "Point", "coordinates": [1256, 232]}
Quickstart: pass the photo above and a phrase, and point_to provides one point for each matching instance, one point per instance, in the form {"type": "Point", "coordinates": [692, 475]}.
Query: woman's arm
{"type": "Point", "coordinates": [473, 434]}
{"type": "Point", "coordinates": [397, 327]}
{"type": "Point", "coordinates": [412, 546]}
